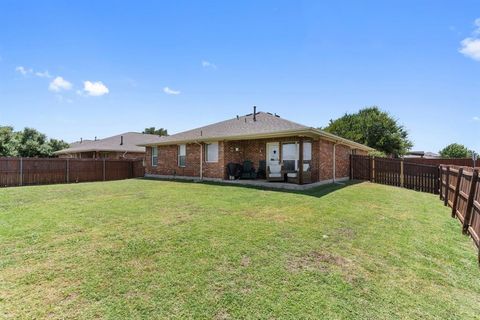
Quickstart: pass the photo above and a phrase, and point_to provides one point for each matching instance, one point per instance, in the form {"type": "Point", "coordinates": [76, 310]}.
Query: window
{"type": "Point", "coordinates": [182, 155]}
{"type": "Point", "coordinates": [307, 151]}
{"type": "Point", "coordinates": [211, 152]}
{"type": "Point", "coordinates": [290, 156]}
{"type": "Point", "coordinates": [154, 156]}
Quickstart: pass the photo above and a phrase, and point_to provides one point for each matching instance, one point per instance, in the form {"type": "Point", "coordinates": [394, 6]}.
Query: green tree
{"type": "Point", "coordinates": [32, 143]}
{"type": "Point", "coordinates": [159, 131]}
{"type": "Point", "coordinates": [374, 128]}
{"type": "Point", "coordinates": [8, 142]}
{"type": "Point", "coordinates": [455, 150]}
{"type": "Point", "coordinates": [56, 145]}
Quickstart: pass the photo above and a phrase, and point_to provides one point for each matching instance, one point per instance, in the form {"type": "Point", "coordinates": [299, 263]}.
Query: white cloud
{"type": "Point", "coordinates": [476, 118]}
{"type": "Point", "coordinates": [44, 74]}
{"type": "Point", "coordinates": [167, 90]}
{"type": "Point", "coordinates": [470, 46]}
{"type": "Point", "coordinates": [24, 71]}
{"type": "Point", "coordinates": [95, 88]}
{"type": "Point", "coordinates": [59, 84]}
{"type": "Point", "coordinates": [208, 64]}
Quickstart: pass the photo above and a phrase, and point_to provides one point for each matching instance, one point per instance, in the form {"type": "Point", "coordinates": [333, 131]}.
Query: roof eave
{"type": "Point", "coordinates": [310, 132]}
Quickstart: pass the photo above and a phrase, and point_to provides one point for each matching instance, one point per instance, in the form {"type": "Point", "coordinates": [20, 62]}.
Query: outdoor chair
{"type": "Point", "coordinates": [248, 171]}
{"type": "Point", "coordinates": [261, 172]}
{"type": "Point", "coordinates": [292, 177]}
{"type": "Point", "coordinates": [234, 170]}
{"type": "Point", "coordinates": [275, 173]}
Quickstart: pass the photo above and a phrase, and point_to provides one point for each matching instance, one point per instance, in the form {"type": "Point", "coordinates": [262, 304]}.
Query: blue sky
{"type": "Point", "coordinates": [96, 68]}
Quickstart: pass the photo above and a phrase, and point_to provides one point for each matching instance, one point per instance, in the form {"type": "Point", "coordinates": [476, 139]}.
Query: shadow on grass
{"type": "Point", "coordinates": [317, 192]}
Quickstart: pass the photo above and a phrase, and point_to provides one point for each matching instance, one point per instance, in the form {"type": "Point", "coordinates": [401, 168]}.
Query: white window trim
{"type": "Point", "coordinates": [154, 148]}
{"type": "Point", "coordinates": [206, 152]}
{"type": "Point", "coordinates": [180, 155]}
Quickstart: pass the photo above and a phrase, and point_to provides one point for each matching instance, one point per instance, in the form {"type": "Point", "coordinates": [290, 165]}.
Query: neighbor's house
{"type": "Point", "coordinates": [205, 152]}
{"type": "Point", "coordinates": [122, 146]}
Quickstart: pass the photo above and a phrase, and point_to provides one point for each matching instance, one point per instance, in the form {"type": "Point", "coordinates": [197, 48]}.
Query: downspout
{"type": "Point", "coordinates": [201, 160]}
{"type": "Point", "coordinates": [334, 161]}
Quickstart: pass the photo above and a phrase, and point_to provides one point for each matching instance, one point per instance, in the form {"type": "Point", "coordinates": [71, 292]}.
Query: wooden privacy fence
{"type": "Point", "coordinates": [395, 172]}
{"type": "Point", "coordinates": [460, 190]}
{"type": "Point", "coordinates": [34, 171]}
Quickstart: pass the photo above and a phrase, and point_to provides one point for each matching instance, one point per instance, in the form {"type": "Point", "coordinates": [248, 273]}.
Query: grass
{"type": "Point", "coordinates": [157, 249]}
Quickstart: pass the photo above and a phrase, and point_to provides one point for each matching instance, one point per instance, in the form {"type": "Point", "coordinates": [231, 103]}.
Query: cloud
{"type": "Point", "coordinates": [476, 118]}
{"type": "Point", "coordinates": [470, 47]}
{"type": "Point", "coordinates": [208, 64]}
{"type": "Point", "coordinates": [59, 84]}
{"type": "Point", "coordinates": [44, 74]}
{"type": "Point", "coordinates": [167, 90]}
{"type": "Point", "coordinates": [95, 88]}
{"type": "Point", "coordinates": [24, 71]}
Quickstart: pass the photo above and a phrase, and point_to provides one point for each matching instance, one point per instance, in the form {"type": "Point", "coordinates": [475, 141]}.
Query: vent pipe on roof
{"type": "Point", "coordinates": [121, 140]}
{"type": "Point", "coordinates": [238, 117]}
{"type": "Point", "coordinates": [254, 113]}
{"type": "Point", "coordinates": [95, 138]}
{"type": "Point", "coordinates": [81, 140]}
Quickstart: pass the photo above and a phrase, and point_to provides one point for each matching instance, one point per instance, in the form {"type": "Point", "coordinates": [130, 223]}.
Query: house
{"type": "Point", "coordinates": [261, 137]}
{"type": "Point", "coordinates": [122, 146]}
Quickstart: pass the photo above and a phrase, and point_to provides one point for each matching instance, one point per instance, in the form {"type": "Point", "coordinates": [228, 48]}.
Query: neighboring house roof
{"type": "Point", "coordinates": [265, 125]}
{"type": "Point", "coordinates": [131, 141]}
{"type": "Point", "coordinates": [422, 154]}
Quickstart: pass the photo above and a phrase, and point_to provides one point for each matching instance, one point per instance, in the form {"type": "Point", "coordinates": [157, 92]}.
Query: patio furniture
{"type": "Point", "coordinates": [275, 173]}
{"type": "Point", "coordinates": [234, 170]}
{"type": "Point", "coordinates": [292, 177]}
{"type": "Point", "coordinates": [262, 170]}
{"type": "Point", "coordinates": [248, 171]}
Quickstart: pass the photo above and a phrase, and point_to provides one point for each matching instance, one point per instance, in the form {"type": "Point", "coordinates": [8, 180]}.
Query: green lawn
{"type": "Point", "coordinates": [156, 249]}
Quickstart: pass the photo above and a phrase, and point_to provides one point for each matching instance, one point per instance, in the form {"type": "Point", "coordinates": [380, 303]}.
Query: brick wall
{"type": "Point", "coordinates": [253, 150]}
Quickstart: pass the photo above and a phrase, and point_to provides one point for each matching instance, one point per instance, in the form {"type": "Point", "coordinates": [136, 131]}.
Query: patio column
{"type": "Point", "coordinates": [300, 161]}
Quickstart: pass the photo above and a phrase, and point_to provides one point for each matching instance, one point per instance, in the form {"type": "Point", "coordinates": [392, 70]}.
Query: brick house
{"type": "Point", "coordinates": [122, 146]}
{"type": "Point", "coordinates": [205, 152]}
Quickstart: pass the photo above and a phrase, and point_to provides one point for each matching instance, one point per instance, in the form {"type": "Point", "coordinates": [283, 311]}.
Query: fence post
{"type": "Point", "coordinates": [457, 191]}
{"type": "Point", "coordinates": [20, 180]}
{"type": "Point", "coordinates": [471, 196]}
{"type": "Point", "coordinates": [67, 171]}
{"type": "Point", "coordinates": [103, 169]}
{"type": "Point", "coordinates": [402, 177]}
{"type": "Point", "coordinates": [447, 186]}
{"type": "Point", "coordinates": [373, 169]}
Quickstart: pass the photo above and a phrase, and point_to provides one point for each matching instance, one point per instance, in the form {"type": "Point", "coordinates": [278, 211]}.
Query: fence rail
{"type": "Point", "coordinates": [34, 171]}
{"type": "Point", "coordinates": [395, 172]}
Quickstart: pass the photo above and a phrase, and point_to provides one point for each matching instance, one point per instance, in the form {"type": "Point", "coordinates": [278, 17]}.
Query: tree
{"type": "Point", "coordinates": [455, 150]}
{"type": "Point", "coordinates": [56, 144]}
{"type": "Point", "coordinates": [8, 142]}
{"type": "Point", "coordinates": [159, 131]}
{"type": "Point", "coordinates": [32, 143]}
{"type": "Point", "coordinates": [374, 128]}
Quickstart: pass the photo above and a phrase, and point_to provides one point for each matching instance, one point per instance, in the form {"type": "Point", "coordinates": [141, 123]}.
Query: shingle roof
{"type": "Point", "coordinates": [131, 141]}
{"type": "Point", "coordinates": [245, 126]}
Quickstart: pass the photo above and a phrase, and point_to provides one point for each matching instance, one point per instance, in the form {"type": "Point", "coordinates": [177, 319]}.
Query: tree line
{"type": "Point", "coordinates": [28, 142]}
{"type": "Point", "coordinates": [378, 129]}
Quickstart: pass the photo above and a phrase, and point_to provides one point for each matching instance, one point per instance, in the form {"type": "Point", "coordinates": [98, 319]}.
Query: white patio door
{"type": "Point", "coordinates": [273, 153]}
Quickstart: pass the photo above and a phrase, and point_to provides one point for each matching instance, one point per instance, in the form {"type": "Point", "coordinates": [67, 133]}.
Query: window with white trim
{"type": "Point", "coordinates": [307, 151]}
{"type": "Point", "coordinates": [154, 156]}
{"type": "Point", "coordinates": [211, 152]}
{"type": "Point", "coordinates": [182, 155]}
{"type": "Point", "coordinates": [290, 156]}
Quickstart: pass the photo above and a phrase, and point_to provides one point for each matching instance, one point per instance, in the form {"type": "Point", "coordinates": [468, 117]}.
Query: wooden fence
{"type": "Point", "coordinates": [460, 190]}
{"type": "Point", "coordinates": [395, 172]}
{"type": "Point", "coordinates": [34, 171]}
{"type": "Point", "coordinates": [467, 162]}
